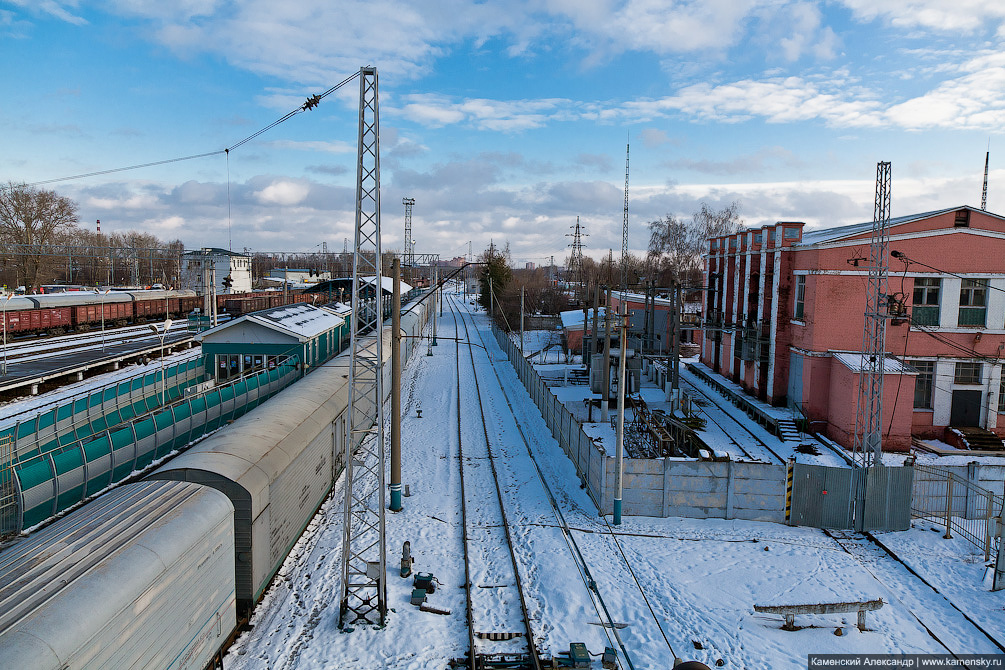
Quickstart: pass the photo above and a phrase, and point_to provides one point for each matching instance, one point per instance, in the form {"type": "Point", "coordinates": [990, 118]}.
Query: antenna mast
{"type": "Point", "coordinates": [868, 446]}
{"type": "Point", "coordinates": [364, 561]}
{"type": "Point", "coordinates": [984, 195]}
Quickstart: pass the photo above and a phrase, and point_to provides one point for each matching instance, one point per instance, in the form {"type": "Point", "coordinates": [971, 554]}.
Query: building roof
{"type": "Point", "coordinates": [214, 251]}
{"type": "Point", "coordinates": [300, 320]}
{"type": "Point", "coordinates": [824, 235]}
{"type": "Point", "coordinates": [856, 362]}
{"type": "Point", "coordinates": [574, 318]}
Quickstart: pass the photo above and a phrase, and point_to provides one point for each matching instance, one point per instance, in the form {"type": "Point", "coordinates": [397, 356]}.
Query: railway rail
{"type": "Point", "coordinates": [493, 590]}
{"type": "Point", "coordinates": [504, 413]}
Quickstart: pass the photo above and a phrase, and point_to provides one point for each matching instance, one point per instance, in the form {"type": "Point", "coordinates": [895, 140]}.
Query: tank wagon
{"type": "Point", "coordinates": [157, 574]}
{"type": "Point", "coordinates": [141, 578]}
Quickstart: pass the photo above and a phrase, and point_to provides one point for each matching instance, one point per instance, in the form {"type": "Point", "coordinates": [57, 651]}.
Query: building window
{"type": "Point", "coordinates": [968, 372]}
{"type": "Point", "coordinates": [962, 218]}
{"type": "Point", "coordinates": [924, 383]}
{"type": "Point", "coordinates": [771, 235]}
{"type": "Point", "coordinates": [1001, 392]}
{"type": "Point", "coordinates": [925, 311]}
{"type": "Point", "coordinates": [800, 297]}
{"type": "Point", "coordinates": [792, 233]}
{"type": "Point", "coordinates": [973, 302]}
{"type": "Point", "coordinates": [758, 238]}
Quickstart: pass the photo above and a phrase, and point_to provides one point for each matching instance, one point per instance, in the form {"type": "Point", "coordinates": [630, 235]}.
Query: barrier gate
{"type": "Point", "coordinates": [828, 497]}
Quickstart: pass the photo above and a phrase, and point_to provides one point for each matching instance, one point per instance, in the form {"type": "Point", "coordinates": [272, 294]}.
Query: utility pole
{"type": "Point", "coordinates": [363, 597]}
{"type": "Point", "coordinates": [605, 401]}
{"type": "Point", "coordinates": [624, 232]}
{"type": "Point", "coordinates": [594, 333]}
{"type": "Point", "coordinates": [675, 334]}
{"type": "Point", "coordinates": [620, 455]}
{"type": "Point", "coordinates": [396, 388]}
{"type": "Point", "coordinates": [521, 318]}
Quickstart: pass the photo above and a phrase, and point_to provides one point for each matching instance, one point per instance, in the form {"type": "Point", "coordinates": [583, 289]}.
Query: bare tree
{"type": "Point", "coordinates": [676, 245]}
{"type": "Point", "coordinates": [36, 219]}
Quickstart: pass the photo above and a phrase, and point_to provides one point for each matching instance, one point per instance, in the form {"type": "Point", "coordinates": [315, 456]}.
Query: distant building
{"type": "Point", "coordinates": [530, 265]}
{"type": "Point", "coordinates": [785, 312]}
{"type": "Point", "coordinates": [297, 276]}
{"type": "Point", "coordinates": [225, 263]}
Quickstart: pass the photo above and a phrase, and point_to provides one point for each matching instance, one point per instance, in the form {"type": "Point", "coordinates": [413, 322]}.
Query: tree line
{"type": "Point", "coordinates": [673, 257]}
{"type": "Point", "coordinates": [41, 243]}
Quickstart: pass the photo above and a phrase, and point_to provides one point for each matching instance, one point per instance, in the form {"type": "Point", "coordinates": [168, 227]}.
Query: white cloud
{"type": "Point", "coordinates": [326, 147]}
{"type": "Point", "coordinates": [940, 15]}
{"type": "Point", "coordinates": [283, 192]}
{"type": "Point", "coordinates": [64, 10]}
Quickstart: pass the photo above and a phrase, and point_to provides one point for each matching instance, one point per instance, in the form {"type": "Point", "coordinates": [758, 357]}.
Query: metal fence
{"type": "Point", "coordinates": [957, 504]}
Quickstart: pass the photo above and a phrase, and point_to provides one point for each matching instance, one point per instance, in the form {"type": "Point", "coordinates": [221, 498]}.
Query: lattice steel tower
{"type": "Point", "coordinates": [868, 446]}
{"type": "Point", "coordinates": [984, 193]}
{"type": "Point", "coordinates": [624, 231]}
{"type": "Point", "coordinates": [409, 247]}
{"type": "Point", "coordinates": [576, 261]}
{"type": "Point", "coordinates": [364, 584]}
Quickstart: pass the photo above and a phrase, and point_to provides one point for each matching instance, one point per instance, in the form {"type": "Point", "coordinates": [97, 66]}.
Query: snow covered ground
{"type": "Point", "coordinates": [683, 587]}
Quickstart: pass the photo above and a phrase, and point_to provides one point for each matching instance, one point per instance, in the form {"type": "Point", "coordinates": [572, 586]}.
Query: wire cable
{"type": "Point", "coordinates": [310, 104]}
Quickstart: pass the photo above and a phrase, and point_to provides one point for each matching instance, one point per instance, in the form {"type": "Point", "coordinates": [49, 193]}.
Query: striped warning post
{"type": "Point", "coordinates": [497, 636]}
{"type": "Point", "coordinates": [788, 489]}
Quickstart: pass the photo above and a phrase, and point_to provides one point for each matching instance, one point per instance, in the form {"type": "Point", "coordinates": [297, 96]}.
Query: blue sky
{"type": "Point", "coordinates": [504, 120]}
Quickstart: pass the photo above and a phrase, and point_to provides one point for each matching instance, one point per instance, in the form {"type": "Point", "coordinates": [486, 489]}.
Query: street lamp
{"type": "Point", "coordinates": [161, 333]}
{"type": "Point", "coordinates": [5, 301]}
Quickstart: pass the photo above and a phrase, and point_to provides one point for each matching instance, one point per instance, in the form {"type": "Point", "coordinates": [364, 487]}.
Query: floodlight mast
{"type": "Point", "coordinates": [364, 585]}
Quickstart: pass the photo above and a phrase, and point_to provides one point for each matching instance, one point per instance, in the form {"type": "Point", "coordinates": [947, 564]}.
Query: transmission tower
{"type": "Point", "coordinates": [576, 261]}
{"type": "Point", "coordinates": [364, 585]}
{"type": "Point", "coordinates": [409, 248]}
{"type": "Point", "coordinates": [624, 231]}
{"type": "Point", "coordinates": [868, 446]}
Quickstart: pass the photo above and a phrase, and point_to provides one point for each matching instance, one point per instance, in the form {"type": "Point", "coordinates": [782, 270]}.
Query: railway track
{"type": "Point", "coordinates": [732, 422]}
{"type": "Point", "coordinates": [499, 631]}
{"type": "Point", "coordinates": [945, 624]}
{"type": "Point", "coordinates": [509, 452]}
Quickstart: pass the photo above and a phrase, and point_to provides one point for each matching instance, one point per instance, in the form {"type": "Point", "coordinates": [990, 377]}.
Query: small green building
{"type": "Point", "coordinates": [261, 340]}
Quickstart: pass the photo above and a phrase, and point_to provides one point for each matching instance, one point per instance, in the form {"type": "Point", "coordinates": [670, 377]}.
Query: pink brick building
{"type": "Point", "coordinates": [785, 307]}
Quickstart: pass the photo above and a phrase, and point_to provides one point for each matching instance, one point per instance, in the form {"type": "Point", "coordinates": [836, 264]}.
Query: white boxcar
{"type": "Point", "coordinates": [278, 462]}
{"type": "Point", "coordinates": [142, 577]}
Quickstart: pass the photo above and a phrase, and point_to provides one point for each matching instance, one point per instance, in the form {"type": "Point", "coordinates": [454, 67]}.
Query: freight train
{"type": "Point", "coordinates": [57, 313]}
{"type": "Point", "coordinates": [159, 574]}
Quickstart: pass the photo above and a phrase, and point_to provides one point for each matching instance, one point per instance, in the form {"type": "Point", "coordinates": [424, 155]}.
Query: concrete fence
{"type": "Point", "coordinates": [659, 487]}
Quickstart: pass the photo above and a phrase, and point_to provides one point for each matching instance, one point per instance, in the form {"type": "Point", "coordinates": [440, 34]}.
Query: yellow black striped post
{"type": "Point", "coordinates": [788, 489]}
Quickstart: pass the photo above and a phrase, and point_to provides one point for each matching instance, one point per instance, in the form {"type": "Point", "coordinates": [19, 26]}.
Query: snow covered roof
{"type": "Point", "coordinates": [387, 283]}
{"type": "Point", "coordinates": [338, 308]}
{"type": "Point", "coordinates": [300, 320]}
{"type": "Point", "coordinates": [574, 318]}
{"type": "Point", "coordinates": [856, 362]}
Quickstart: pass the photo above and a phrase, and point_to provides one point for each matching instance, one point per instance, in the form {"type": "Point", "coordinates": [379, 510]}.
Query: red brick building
{"type": "Point", "coordinates": [784, 313]}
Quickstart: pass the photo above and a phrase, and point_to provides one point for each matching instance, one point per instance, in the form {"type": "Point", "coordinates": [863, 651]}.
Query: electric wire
{"type": "Point", "coordinates": [310, 104]}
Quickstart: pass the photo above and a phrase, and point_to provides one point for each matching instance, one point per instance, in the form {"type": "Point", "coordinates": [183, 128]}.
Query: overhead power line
{"type": "Point", "coordinates": [311, 102]}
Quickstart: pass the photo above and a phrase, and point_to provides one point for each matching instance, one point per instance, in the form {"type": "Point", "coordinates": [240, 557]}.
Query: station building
{"type": "Point", "coordinates": [784, 317]}
{"type": "Point", "coordinates": [263, 340]}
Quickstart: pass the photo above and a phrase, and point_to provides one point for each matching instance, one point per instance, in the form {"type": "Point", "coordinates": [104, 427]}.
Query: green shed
{"type": "Point", "coordinates": [261, 340]}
